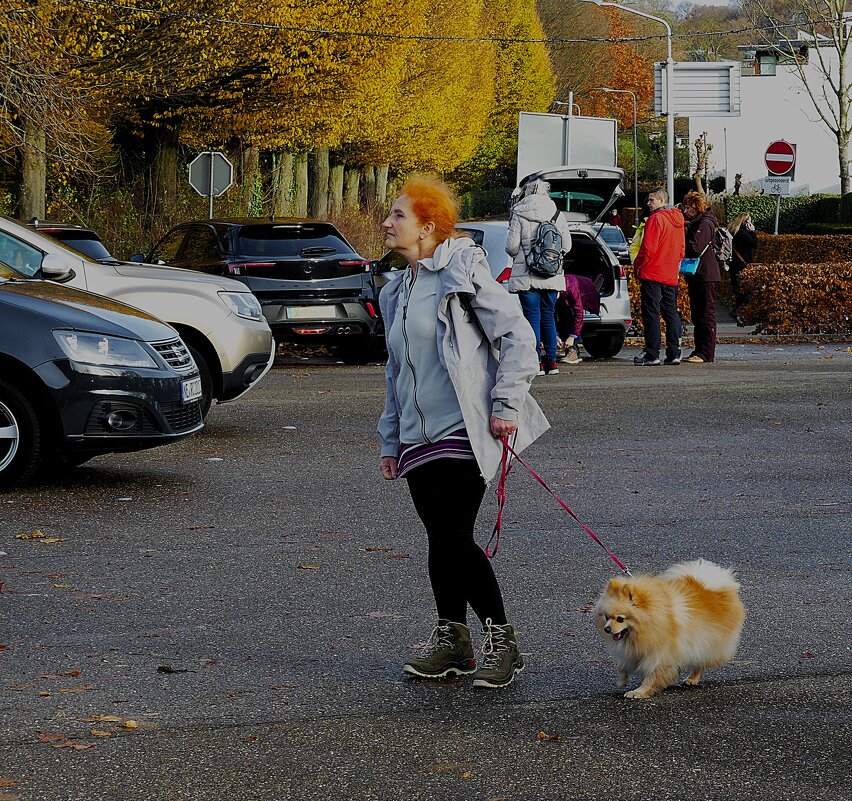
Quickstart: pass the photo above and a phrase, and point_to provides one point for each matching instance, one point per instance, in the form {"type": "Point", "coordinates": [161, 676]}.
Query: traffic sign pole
{"type": "Point", "coordinates": [210, 208]}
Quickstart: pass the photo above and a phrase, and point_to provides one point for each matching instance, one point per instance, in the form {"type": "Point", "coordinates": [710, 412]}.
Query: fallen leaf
{"type": "Point", "coordinates": [35, 535]}
{"type": "Point", "coordinates": [64, 586]}
{"type": "Point", "coordinates": [309, 567]}
{"type": "Point", "coordinates": [79, 689]}
{"type": "Point", "coordinates": [47, 737]}
{"type": "Point", "coordinates": [100, 733]}
{"type": "Point", "coordinates": [45, 694]}
{"type": "Point", "coordinates": [3, 646]}
{"type": "Point", "coordinates": [170, 669]}
{"type": "Point", "coordinates": [9, 797]}
{"type": "Point", "coordinates": [249, 738]}
{"type": "Point", "coordinates": [130, 724]}
{"type": "Point", "coordinates": [543, 737]}
{"type": "Point", "coordinates": [198, 528]}
{"type": "Point", "coordinates": [102, 719]}
{"type": "Point", "coordinates": [75, 746]}
{"type": "Point", "coordinates": [377, 549]}
{"type": "Point", "coordinates": [71, 674]}
{"type": "Point", "coordinates": [808, 654]}
{"type": "Point", "coordinates": [9, 782]}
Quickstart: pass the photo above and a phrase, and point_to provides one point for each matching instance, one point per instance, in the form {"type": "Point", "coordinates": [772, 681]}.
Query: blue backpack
{"type": "Point", "coordinates": [545, 257]}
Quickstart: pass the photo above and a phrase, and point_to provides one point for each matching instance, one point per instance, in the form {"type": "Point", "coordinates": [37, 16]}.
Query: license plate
{"type": "Point", "coordinates": [190, 390]}
{"type": "Point", "coordinates": [311, 312]}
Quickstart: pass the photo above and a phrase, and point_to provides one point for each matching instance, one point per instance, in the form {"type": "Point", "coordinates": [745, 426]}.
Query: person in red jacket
{"type": "Point", "coordinates": [657, 265]}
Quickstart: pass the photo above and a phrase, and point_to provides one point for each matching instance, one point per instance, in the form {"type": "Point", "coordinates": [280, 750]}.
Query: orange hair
{"type": "Point", "coordinates": [433, 201]}
{"type": "Point", "coordinates": [695, 199]}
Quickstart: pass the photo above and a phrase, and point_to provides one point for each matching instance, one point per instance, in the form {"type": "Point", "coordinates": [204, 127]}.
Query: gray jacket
{"type": "Point", "coordinates": [526, 216]}
{"type": "Point", "coordinates": [490, 354]}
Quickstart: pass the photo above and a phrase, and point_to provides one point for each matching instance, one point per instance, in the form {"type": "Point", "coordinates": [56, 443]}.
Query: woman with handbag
{"type": "Point", "coordinates": [702, 284]}
{"type": "Point", "coordinates": [744, 244]}
{"type": "Point", "coordinates": [461, 358]}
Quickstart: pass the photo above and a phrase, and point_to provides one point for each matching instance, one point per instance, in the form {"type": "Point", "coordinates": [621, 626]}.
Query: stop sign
{"type": "Point", "coordinates": [780, 158]}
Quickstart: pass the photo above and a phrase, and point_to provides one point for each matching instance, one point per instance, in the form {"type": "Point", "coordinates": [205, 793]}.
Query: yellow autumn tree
{"type": "Point", "coordinates": [524, 81]}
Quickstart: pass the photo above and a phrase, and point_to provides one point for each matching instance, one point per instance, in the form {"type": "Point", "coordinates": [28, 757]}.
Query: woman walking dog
{"type": "Point", "coordinates": [461, 357]}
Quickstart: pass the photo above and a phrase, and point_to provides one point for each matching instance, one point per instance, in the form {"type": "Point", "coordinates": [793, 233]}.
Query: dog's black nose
{"type": "Point", "coordinates": [608, 629]}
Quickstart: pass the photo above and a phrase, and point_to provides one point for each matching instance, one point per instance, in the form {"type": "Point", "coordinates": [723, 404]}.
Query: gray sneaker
{"type": "Point", "coordinates": [449, 652]}
{"type": "Point", "coordinates": [501, 659]}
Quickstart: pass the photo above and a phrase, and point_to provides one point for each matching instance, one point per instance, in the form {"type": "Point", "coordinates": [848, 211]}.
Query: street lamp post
{"type": "Point", "coordinates": [635, 150]}
{"type": "Point", "coordinates": [669, 93]}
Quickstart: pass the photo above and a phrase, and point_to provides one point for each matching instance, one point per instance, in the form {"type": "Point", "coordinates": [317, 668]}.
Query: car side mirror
{"type": "Point", "coordinates": [56, 268]}
{"type": "Point", "coordinates": [138, 258]}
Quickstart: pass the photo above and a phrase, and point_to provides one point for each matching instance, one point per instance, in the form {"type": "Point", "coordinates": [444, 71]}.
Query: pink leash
{"type": "Point", "coordinates": [505, 468]}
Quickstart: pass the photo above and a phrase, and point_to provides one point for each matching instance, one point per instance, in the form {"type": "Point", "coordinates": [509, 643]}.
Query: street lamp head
{"type": "Point", "coordinates": [602, 89]}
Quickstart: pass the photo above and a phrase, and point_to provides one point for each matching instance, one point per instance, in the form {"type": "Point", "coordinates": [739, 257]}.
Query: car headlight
{"type": "Point", "coordinates": [243, 304]}
{"type": "Point", "coordinates": [103, 350]}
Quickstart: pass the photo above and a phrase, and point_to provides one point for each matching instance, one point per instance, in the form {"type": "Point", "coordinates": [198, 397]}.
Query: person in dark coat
{"type": "Point", "coordinates": [701, 227]}
{"type": "Point", "coordinates": [580, 294]}
{"type": "Point", "coordinates": [745, 243]}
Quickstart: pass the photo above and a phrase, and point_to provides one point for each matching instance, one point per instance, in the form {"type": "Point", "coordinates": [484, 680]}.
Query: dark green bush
{"type": "Point", "coordinates": [485, 203]}
{"type": "Point", "coordinates": [796, 212]}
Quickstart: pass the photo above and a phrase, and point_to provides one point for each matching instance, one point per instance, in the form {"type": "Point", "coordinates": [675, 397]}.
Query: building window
{"type": "Point", "coordinates": [765, 64]}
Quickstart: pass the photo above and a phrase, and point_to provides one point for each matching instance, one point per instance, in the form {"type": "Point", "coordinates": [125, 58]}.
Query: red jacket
{"type": "Point", "coordinates": [663, 246]}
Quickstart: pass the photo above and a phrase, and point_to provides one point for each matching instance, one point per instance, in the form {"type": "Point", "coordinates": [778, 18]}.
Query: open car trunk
{"type": "Point", "coordinates": [585, 258]}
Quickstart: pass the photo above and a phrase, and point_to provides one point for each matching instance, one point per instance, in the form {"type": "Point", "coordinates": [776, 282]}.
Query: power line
{"type": "Point", "coordinates": [397, 37]}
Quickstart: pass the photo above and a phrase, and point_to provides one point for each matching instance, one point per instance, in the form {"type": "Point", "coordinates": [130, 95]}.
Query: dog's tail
{"type": "Point", "coordinates": [707, 573]}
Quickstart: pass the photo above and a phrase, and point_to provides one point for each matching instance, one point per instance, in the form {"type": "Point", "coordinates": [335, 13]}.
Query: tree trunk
{"type": "Point", "coordinates": [162, 189]}
{"type": "Point", "coordinates": [301, 164]}
{"type": "Point", "coordinates": [368, 175]}
{"type": "Point", "coordinates": [351, 188]}
{"type": "Point", "coordinates": [282, 184]}
{"type": "Point", "coordinates": [34, 171]}
{"type": "Point", "coordinates": [318, 183]}
{"type": "Point", "coordinates": [382, 184]}
{"type": "Point", "coordinates": [335, 190]}
{"type": "Point", "coordinates": [249, 172]}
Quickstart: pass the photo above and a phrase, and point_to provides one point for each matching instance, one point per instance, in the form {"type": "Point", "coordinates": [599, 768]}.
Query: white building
{"type": "Point", "coordinates": [775, 105]}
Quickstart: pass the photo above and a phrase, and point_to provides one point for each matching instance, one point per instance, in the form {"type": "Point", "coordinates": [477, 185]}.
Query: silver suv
{"type": "Point", "coordinates": [218, 318]}
{"type": "Point", "coordinates": [583, 195]}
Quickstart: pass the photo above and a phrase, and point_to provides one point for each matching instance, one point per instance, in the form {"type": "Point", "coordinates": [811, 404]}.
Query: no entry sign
{"type": "Point", "coordinates": [780, 158]}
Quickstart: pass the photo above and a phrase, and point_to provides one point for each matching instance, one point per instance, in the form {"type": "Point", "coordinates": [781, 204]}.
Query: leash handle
{"type": "Point", "coordinates": [505, 467]}
{"type": "Point", "coordinates": [501, 500]}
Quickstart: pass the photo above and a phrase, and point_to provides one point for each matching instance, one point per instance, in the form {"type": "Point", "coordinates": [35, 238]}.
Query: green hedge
{"type": "Point", "coordinates": [796, 212]}
{"type": "Point", "coordinates": [485, 203]}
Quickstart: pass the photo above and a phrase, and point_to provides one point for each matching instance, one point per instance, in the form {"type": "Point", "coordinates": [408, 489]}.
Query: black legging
{"type": "Point", "coordinates": [447, 494]}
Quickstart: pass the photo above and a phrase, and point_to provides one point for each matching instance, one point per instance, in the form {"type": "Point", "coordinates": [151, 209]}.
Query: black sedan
{"type": "Point", "coordinates": [82, 375]}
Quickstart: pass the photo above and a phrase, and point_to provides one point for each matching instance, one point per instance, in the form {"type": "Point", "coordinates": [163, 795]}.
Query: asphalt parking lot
{"type": "Point", "coordinates": [226, 618]}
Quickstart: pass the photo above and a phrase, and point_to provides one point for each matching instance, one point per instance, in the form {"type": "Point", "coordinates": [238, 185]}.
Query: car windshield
{"type": "Point", "coordinates": [84, 242]}
{"type": "Point", "coordinates": [612, 235]}
{"type": "Point", "coordinates": [288, 241]}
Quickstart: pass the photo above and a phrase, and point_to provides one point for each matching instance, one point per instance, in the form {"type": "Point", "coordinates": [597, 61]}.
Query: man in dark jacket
{"type": "Point", "coordinates": [703, 283]}
{"type": "Point", "coordinates": [657, 265]}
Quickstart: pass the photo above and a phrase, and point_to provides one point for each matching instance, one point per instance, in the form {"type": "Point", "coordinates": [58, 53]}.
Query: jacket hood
{"type": "Point", "coordinates": [673, 216]}
{"type": "Point", "coordinates": [535, 207]}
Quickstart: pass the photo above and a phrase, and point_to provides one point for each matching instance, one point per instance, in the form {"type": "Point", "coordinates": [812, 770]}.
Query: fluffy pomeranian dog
{"type": "Point", "coordinates": [685, 620]}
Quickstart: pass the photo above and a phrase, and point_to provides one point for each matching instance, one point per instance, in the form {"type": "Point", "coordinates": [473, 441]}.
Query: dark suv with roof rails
{"type": "Point", "coordinates": [311, 283]}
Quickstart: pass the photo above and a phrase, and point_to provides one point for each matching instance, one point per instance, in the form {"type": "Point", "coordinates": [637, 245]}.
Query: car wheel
{"type": "Point", "coordinates": [604, 346]}
{"type": "Point", "coordinates": [20, 437]}
{"type": "Point", "coordinates": [206, 381]}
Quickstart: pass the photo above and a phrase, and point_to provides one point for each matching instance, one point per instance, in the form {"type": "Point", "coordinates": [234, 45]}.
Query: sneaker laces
{"type": "Point", "coordinates": [495, 643]}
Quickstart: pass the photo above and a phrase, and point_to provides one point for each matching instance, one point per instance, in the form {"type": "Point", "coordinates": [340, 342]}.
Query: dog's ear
{"type": "Point", "coordinates": [615, 586]}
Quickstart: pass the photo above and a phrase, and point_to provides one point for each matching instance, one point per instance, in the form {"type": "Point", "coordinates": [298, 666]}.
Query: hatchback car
{"type": "Point", "coordinates": [311, 284]}
{"type": "Point", "coordinates": [613, 237]}
{"type": "Point", "coordinates": [82, 239]}
{"type": "Point", "coordinates": [82, 375]}
{"type": "Point", "coordinates": [219, 320]}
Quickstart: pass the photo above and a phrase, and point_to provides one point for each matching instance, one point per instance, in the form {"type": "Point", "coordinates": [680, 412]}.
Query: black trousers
{"type": "Point", "coordinates": [702, 304]}
{"type": "Point", "coordinates": [447, 494]}
{"type": "Point", "coordinates": [660, 299]}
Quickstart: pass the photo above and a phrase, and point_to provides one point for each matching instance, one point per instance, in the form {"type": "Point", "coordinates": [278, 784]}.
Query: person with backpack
{"type": "Point", "coordinates": [538, 240]}
{"type": "Point", "coordinates": [702, 242]}
{"type": "Point", "coordinates": [744, 243]}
